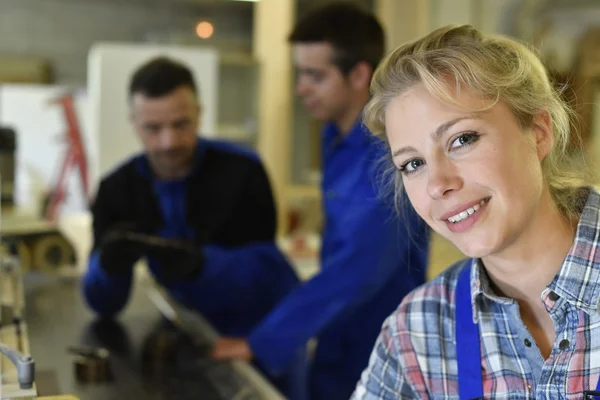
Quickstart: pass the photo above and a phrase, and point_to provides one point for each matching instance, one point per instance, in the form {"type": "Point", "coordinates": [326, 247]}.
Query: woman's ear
{"type": "Point", "coordinates": [543, 134]}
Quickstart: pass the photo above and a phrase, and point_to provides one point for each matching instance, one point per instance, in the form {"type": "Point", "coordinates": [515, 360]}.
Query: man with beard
{"type": "Point", "coordinates": [200, 211]}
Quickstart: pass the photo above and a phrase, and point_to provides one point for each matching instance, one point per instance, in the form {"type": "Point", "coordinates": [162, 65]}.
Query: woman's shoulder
{"type": "Point", "coordinates": [420, 335]}
{"type": "Point", "coordinates": [439, 290]}
{"type": "Point", "coordinates": [424, 309]}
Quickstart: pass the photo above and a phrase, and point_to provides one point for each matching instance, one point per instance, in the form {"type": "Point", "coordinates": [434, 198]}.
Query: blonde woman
{"type": "Point", "coordinates": [480, 140]}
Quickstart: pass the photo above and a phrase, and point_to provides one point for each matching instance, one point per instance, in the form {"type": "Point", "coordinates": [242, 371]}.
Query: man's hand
{"type": "Point", "coordinates": [231, 349]}
{"type": "Point", "coordinates": [118, 253]}
{"type": "Point", "coordinates": [178, 260]}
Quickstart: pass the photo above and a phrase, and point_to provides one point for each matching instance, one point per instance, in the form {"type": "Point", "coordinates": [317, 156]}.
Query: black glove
{"type": "Point", "coordinates": [178, 260]}
{"type": "Point", "coordinates": [119, 252]}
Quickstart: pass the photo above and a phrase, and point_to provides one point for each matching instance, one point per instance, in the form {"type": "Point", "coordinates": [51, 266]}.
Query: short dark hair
{"type": "Point", "coordinates": [354, 33]}
{"type": "Point", "coordinates": [160, 76]}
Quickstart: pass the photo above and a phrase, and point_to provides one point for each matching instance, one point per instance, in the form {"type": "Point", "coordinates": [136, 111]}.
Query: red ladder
{"type": "Point", "coordinates": [75, 157]}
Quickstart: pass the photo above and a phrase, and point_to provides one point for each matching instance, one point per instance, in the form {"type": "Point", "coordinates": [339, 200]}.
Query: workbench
{"type": "Point", "coordinates": [141, 366]}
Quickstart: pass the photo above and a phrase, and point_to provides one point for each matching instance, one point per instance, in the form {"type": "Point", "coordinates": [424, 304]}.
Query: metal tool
{"type": "Point", "coordinates": [24, 364]}
{"type": "Point", "coordinates": [18, 376]}
{"type": "Point", "coordinates": [149, 240]}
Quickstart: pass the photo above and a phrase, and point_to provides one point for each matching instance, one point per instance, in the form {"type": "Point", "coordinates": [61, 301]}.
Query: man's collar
{"type": "Point", "coordinates": [144, 169]}
{"type": "Point", "coordinates": [355, 137]}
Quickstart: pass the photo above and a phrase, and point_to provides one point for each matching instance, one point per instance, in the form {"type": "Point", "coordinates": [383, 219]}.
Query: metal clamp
{"type": "Point", "coordinates": [25, 366]}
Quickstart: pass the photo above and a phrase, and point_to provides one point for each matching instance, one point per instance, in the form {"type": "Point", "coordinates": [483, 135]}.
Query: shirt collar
{"type": "Point", "coordinates": [356, 137]}
{"type": "Point", "coordinates": [480, 285]}
{"type": "Point", "coordinates": [578, 279]}
{"type": "Point", "coordinates": [143, 165]}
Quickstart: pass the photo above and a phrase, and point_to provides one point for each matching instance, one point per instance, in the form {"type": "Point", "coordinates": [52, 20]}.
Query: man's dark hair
{"type": "Point", "coordinates": [354, 33]}
{"type": "Point", "coordinates": [160, 76]}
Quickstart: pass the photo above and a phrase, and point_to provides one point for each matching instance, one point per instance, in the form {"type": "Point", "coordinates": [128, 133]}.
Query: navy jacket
{"type": "Point", "coordinates": [370, 259]}
{"type": "Point", "coordinates": [225, 206]}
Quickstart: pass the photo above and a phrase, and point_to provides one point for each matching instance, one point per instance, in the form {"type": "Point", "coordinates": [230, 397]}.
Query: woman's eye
{"type": "Point", "coordinates": [411, 166]}
{"type": "Point", "coordinates": [465, 139]}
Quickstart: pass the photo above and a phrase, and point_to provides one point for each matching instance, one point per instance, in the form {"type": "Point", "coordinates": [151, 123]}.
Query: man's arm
{"type": "Point", "coordinates": [237, 281]}
{"type": "Point", "coordinates": [367, 253]}
{"type": "Point", "coordinates": [252, 275]}
{"type": "Point", "coordinates": [105, 293]}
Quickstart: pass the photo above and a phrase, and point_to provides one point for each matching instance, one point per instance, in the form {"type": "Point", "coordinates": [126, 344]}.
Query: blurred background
{"type": "Point", "coordinates": [64, 65]}
{"type": "Point", "coordinates": [64, 71]}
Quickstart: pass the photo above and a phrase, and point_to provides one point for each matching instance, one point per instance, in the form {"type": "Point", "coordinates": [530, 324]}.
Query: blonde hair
{"type": "Point", "coordinates": [497, 68]}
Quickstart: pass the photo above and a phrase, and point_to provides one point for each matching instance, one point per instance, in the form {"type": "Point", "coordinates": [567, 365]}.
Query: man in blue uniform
{"type": "Point", "coordinates": [213, 198]}
{"type": "Point", "coordinates": [369, 259]}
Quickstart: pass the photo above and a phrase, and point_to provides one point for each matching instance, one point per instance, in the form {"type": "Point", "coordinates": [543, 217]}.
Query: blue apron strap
{"type": "Point", "coordinates": [468, 343]}
{"type": "Point", "coordinates": [597, 396]}
{"type": "Point", "coordinates": [592, 394]}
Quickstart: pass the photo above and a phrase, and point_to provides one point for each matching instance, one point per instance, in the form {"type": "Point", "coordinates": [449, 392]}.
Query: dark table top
{"type": "Point", "coordinates": [149, 357]}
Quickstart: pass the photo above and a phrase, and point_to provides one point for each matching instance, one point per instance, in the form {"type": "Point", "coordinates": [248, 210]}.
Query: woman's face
{"type": "Point", "coordinates": [475, 178]}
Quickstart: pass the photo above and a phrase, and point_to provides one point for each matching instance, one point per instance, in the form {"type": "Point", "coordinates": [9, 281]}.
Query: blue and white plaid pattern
{"type": "Point", "coordinates": [415, 355]}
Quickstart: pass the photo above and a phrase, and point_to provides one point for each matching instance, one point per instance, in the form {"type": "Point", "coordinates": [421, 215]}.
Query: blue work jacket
{"type": "Point", "coordinates": [370, 259]}
{"type": "Point", "coordinates": [225, 206]}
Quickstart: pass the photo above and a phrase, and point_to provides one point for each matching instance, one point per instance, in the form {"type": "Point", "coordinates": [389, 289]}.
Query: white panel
{"type": "Point", "coordinates": [41, 143]}
{"type": "Point", "coordinates": [110, 67]}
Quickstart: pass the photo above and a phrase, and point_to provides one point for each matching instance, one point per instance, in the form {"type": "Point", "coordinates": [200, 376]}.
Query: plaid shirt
{"type": "Point", "coordinates": [415, 355]}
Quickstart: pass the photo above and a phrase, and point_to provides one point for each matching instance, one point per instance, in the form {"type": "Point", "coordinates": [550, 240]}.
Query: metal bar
{"type": "Point", "coordinates": [195, 325]}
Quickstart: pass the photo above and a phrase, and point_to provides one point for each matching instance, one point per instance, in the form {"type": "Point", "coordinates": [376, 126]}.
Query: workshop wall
{"type": "Point", "coordinates": [63, 30]}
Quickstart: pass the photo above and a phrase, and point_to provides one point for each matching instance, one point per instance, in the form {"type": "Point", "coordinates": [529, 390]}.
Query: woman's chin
{"type": "Point", "coordinates": [474, 250]}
